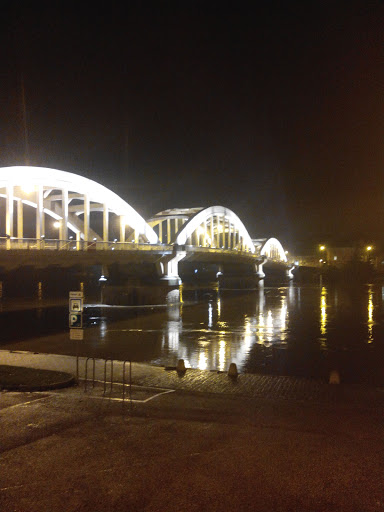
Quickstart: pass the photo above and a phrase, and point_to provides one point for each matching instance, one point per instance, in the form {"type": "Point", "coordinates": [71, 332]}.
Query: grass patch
{"type": "Point", "coordinates": [18, 378]}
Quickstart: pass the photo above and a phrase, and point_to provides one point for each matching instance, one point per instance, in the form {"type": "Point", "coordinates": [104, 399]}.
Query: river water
{"type": "Point", "coordinates": [284, 330]}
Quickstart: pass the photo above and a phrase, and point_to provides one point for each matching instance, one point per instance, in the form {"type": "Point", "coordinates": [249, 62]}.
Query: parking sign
{"type": "Point", "coordinates": [75, 320]}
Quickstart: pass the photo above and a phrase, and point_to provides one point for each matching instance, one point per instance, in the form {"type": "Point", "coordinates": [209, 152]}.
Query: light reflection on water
{"type": "Point", "coordinates": [290, 330]}
{"type": "Point", "coordinates": [323, 310]}
{"type": "Point", "coordinates": [370, 322]}
{"type": "Point", "coordinates": [213, 334]}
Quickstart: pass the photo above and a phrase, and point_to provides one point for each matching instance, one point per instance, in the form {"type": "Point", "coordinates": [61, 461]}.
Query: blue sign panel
{"type": "Point", "coordinates": [75, 320]}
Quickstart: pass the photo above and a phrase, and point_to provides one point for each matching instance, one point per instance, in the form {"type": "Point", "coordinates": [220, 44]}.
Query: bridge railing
{"type": "Point", "coordinates": [12, 243]}
{"type": "Point", "coordinates": [50, 244]}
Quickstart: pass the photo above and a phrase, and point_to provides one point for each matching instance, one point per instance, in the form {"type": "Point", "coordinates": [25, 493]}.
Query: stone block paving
{"type": "Point", "coordinates": [203, 381]}
{"type": "Point", "coordinates": [260, 386]}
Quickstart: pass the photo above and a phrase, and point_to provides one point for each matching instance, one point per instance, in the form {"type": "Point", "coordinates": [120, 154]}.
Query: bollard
{"type": "Point", "coordinates": [334, 377]}
{"type": "Point", "coordinates": [180, 368]}
{"type": "Point", "coordinates": [232, 372]}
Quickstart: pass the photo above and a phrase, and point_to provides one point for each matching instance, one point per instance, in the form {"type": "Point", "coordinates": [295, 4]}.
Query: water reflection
{"type": "Point", "coordinates": [284, 330]}
{"type": "Point", "coordinates": [323, 311]}
{"type": "Point", "coordinates": [228, 329]}
{"type": "Point", "coordinates": [370, 314]}
{"type": "Point", "coordinates": [103, 327]}
{"type": "Point", "coordinates": [234, 327]}
{"type": "Point", "coordinates": [210, 315]}
{"type": "Point", "coordinates": [283, 318]}
{"type": "Point", "coordinates": [221, 360]}
{"type": "Point", "coordinates": [203, 360]}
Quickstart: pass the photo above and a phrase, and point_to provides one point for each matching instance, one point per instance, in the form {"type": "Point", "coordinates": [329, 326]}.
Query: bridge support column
{"type": "Point", "coordinates": [259, 269]}
{"type": "Point", "coordinates": [217, 237]}
{"type": "Point", "coordinates": [105, 224]}
{"type": "Point", "coordinates": [211, 232]}
{"type": "Point", "coordinates": [122, 228]}
{"type": "Point", "coordinates": [289, 272]}
{"type": "Point", "coordinates": [9, 214]}
{"type": "Point", "coordinates": [64, 221]}
{"type": "Point", "coordinates": [78, 240]}
{"type": "Point", "coordinates": [20, 225]}
{"type": "Point", "coordinates": [86, 221]}
{"type": "Point", "coordinates": [223, 231]}
{"type": "Point", "coordinates": [169, 267]}
{"type": "Point", "coordinates": [40, 227]}
{"type": "Point", "coordinates": [204, 241]}
{"type": "Point", "coordinates": [9, 211]}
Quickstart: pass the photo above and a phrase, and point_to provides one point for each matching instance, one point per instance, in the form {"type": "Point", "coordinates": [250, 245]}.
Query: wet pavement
{"type": "Point", "coordinates": [193, 380]}
{"type": "Point", "coordinates": [195, 442]}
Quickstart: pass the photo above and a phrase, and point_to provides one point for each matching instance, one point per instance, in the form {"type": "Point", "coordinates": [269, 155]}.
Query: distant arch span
{"type": "Point", "coordinates": [273, 250]}
{"type": "Point", "coordinates": [217, 227]}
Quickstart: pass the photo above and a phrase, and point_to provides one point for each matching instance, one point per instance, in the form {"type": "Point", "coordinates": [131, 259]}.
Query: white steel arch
{"type": "Point", "coordinates": [273, 250]}
{"type": "Point", "coordinates": [65, 196]}
{"type": "Point", "coordinates": [169, 222]}
{"type": "Point", "coordinates": [215, 226]}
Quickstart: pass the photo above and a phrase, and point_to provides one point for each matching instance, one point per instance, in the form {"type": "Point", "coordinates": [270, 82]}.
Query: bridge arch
{"type": "Point", "coordinates": [273, 250]}
{"type": "Point", "coordinates": [70, 199]}
{"type": "Point", "coordinates": [217, 227]}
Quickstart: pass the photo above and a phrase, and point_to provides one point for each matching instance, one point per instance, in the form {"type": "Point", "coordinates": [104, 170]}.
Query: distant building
{"type": "Point", "coordinates": [339, 256]}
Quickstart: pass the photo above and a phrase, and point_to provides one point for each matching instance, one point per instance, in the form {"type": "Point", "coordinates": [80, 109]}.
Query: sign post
{"type": "Point", "coordinates": [76, 331]}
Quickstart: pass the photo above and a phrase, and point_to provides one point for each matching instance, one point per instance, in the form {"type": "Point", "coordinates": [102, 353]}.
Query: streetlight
{"type": "Point", "coordinates": [324, 254]}
{"type": "Point", "coordinates": [369, 249]}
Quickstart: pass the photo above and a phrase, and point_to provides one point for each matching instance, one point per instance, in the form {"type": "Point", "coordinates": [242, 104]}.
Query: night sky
{"type": "Point", "coordinates": [275, 111]}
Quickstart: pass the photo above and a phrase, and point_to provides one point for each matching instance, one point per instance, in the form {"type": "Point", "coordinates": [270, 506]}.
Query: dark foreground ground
{"type": "Point", "coordinates": [270, 444]}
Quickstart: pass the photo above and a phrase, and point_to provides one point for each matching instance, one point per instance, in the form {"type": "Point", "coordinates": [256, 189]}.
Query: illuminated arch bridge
{"type": "Point", "coordinates": [88, 215]}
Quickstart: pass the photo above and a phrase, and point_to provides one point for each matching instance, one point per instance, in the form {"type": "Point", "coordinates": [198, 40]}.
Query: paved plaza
{"type": "Point", "coordinates": [194, 441]}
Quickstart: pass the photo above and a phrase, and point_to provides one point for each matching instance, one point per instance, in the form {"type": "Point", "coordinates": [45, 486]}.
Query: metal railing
{"type": "Point", "coordinates": [52, 244]}
{"type": "Point", "coordinates": [86, 372]}
{"type": "Point", "coordinates": [105, 376]}
{"type": "Point", "coordinates": [12, 243]}
{"type": "Point", "coordinates": [108, 385]}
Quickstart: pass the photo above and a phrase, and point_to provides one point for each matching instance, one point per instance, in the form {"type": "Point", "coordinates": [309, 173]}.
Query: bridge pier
{"type": "Point", "coordinates": [168, 267]}
{"type": "Point", "coordinates": [259, 270]}
{"type": "Point", "coordinates": [289, 272]}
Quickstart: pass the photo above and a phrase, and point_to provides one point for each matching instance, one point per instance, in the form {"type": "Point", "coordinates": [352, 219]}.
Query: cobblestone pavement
{"type": "Point", "coordinates": [201, 381]}
{"type": "Point", "coordinates": [260, 443]}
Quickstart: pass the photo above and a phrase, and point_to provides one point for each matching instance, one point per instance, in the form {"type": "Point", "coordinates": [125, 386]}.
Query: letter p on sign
{"type": "Point", "coordinates": [75, 320]}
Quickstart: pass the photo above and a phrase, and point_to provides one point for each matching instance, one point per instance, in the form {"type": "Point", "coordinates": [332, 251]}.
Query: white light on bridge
{"type": "Point", "coordinates": [28, 188]}
{"type": "Point", "coordinates": [200, 231]}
